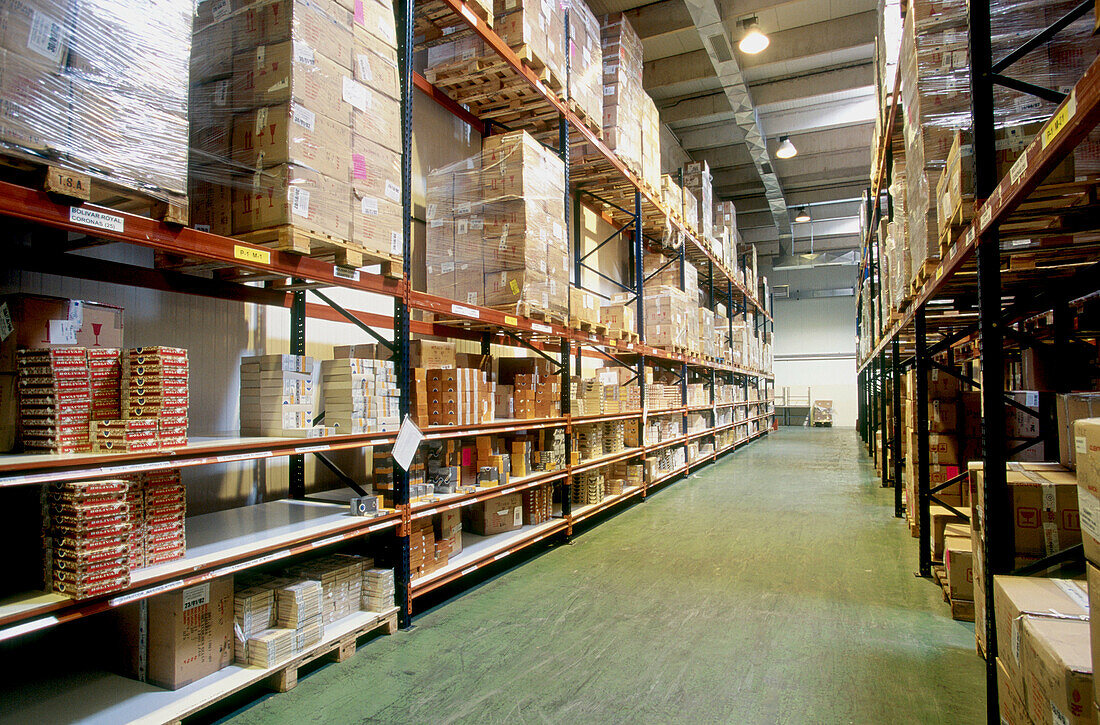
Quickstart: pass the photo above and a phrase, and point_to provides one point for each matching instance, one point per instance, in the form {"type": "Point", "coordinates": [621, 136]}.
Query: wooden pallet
{"type": "Point", "coordinates": [587, 326]}
{"type": "Point", "coordinates": [961, 217]}
{"type": "Point", "coordinates": [339, 651]}
{"type": "Point", "coordinates": [322, 246]}
{"type": "Point", "coordinates": [437, 23]}
{"type": "Point", "coordinates": [961, 609]}
{"type": "Point", "coordinates": [55, 178]}
{"type": "Point", "coordinates": [595, 125]}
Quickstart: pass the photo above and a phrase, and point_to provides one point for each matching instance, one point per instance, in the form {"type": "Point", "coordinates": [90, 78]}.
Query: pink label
{"type": "Point", "coordinates": [358, 166]}
{"type": "Point", "coordinates": [467, 456]}
{"type": "Point", "coordinates": [360, 16]}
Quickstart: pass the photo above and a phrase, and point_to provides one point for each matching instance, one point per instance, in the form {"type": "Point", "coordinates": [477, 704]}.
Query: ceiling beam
{"type": "Point", "coordinates": [850, 31]}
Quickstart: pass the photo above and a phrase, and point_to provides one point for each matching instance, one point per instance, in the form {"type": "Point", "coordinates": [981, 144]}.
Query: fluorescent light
{"type": "Point", "coordinates": [786, 149]}
{"type": "Point", "coordinates": [753, 41]}
{"type": "Point", "coordinates": [803, 215]}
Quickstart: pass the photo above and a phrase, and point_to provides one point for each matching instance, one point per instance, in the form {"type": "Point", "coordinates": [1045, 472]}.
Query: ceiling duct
{"type": "Point", "coordinates": [712, 30]}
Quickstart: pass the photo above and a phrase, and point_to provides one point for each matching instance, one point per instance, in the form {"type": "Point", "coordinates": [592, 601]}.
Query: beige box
{"type": "Point", "coordinates": [1094, 624]}
{"type": "Point", "coordinates": [958, 559]}
{"type": "Point", "coordinates": [375, 18]}
{"type": "Point", "coordinates": [1017, 598]}
{"type": "Point", "coordinates": [1057, 667]}
{"type": "Point", "coordinates": [1072, 407]}
{"type": "Point", "coordinates": [374, 64]}
{"type": "Point", "coordinates": [1011, 701]}
{"type": "Point", "coordinates": [211, 205]}
{"type": "Point", "coordinates": [33, 104]}
{"type": "Point", "coordinates": [294, 195]}
{"type": "Point", "coordinates": [320, 26]}
{"type": "Point", "coordinates": [375, 170]}
{"type": "Point", "coordinates": [376, 223]}
{"type": "Point", "coordinates": [292, 133]}
{"type": "Point", "coordinates": [36, 30]}
{"type": "Point", "coordinates": [1086, 443]}
{"type": "Point", "coordinates": [282, 72]}
{"type": "Point", "coordinates": [374, 115]}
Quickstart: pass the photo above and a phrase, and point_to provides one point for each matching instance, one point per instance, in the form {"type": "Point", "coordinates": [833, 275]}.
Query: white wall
{"type": "Point", "coordinates": [825, 327]}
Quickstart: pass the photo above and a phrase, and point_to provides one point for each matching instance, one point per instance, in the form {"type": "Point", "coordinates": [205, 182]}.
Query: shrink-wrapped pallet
{"type": "Point", "coordinates": [697, 180]}
{"type": "Point", "coordinates": [666, 317]}
{"type": "Point", "coordinates": [296, 126]}
{"type": "Point", "coordinates": [95, 87]}
{"type": "Point", "coordinates": [585, 62]}
{"type": "Point", "coordinates": [650, 143]}
{"type": "Point", "coordinates": [496, 234]}
{"type": "Point", "coordinates": [622, 89]}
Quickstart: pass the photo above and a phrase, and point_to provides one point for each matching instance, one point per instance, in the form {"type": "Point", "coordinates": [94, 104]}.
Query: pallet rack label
{"type": "Point", "coordinates": [96, 219]}
{"type": "Point", "coordinates": [466, 311]}
{"type": "Point", "coordinates": [1056, 124]}
{"type": "Point", "coordinates": [542, 328]}
{"type": "Point", "coordinates": [248, 254]}
{"type": "Point", "coordinates": [345, 273]}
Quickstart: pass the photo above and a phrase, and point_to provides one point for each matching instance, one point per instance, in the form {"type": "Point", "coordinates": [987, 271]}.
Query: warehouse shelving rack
{"type": "Point", "coordinates": [47, 234]}
{"type": "Point", "coordinates": [976, 297]}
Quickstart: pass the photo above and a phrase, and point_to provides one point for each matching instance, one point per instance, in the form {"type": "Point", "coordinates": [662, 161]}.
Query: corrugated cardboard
{"type": "Point", "coordinates": [1094, 623]}
{"type": "Point", "coordinates": [1057, 667]}
{"type": "Point", "coordinates": [1011, 701]}
{"type": "Point", "coordinates": [190, 633]}
{"type": "Point", "coordinates": [958, 559]}
{"type": "Point", "coordinates": [1016, 598]}
{"type": "Point", "coordinates": [1086, 442]}
{"type": "Point", "coordinates": [1072, 407]}
{"type": "Point", "coordinates": [495, 516]}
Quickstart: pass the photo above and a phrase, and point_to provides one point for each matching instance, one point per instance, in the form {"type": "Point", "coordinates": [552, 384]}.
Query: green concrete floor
{"type": "Point", "coordinates": [773, 587]}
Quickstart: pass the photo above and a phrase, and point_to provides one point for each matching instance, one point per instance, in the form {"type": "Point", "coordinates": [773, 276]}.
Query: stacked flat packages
{"type": "Point", "coordinates": [86, 537]}
{"type": "Point", "coordinates": [277, 396]}
{"type": "Point", "coordinates": [156, 386]}
{"type": "Point", "coordinates": [360, 395]}
{"type": "Point", "coordinates": [106, 95]}
{"type": "Point", "coordinates": [496, 234]}
{"type": "Point", "coordinates": [54, 400]}
{"type": "Point", "coordinates": [296, 120]}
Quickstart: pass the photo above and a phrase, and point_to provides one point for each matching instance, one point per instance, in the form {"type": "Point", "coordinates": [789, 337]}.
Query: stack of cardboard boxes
{"type": "Point", "coordinates": [538, 505]}
{"type": "Point", "coordinates": [496, 234]}
{"type": "Point", "coordinates": [360, 395]}
{"type": "Point", "coordinates": [619, 315]}
{"type": "Point", "coordinates": [622, 90]}
{"type": "Point", "coordinates": [155, 386]}
{"type": "Point", "coordinates": [296, 120]}
{"type": "Point", "coordinates": [697, 181]}
{"type": "Point", "coordinates": [650, 144]}
{"type": "Point", "coordinates": [54, 400]}
{"type": "Point", "coordinates": [86, 538]}
{"type": "Point", "coordinates": [585, 64]}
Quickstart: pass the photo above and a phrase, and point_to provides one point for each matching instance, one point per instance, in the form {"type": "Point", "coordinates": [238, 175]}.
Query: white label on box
{"type": "Point", "coordinates": [45, 36]}
{"type": "Point", "coordinates": [356, 94]}
{"type": "Point", "coordinates": [431, 211]}
{"type": "Point", "coordinates": [220, 8]}
{"type": "Point", "coordinates": [517, 516]}
{"type": "Point", "coordinates": [397, 243]}
{"type": "Point", "coordinates": [471, 298]}
{"type": "Point", "coordinates": [466, 311]}
{"type": "Point", "coordinates": [299, 201]}
{"type": "Point", "coordinates": [196, 596]}
{"type": "Point", "coordinates": [62, 332]}
{"type": "Point", "coordinates": [464, 208]}
{"type": "Point", "coordinates": [987, 213]}
{"type": "Point", "coordinates": [303, 53]}
{"type": "Point", "coordinates": [369, 205]}
{"type": "Point", "coordinates": [447, 267]}
{"type": "Point", "coordinates": [393, 191]}
{"type": "Point", "coordinates": [1074, 592]}
{"type": "Point", "coordinates": [96, 219]}
{"type": "Point", "coordinates": [1056, 715]}
{"type": "Point", "coordinates": [221, 93]}
{"type": "Point", "coordinates": [261, 125]}
{"type": "Point", "coordinates": [302, 116]}
{"type": "Point", "coordinates": [6, 326]}
{"type": "Point", "coordinates": [362, 62]}
{"type": "Point", "coordinates": [469, 14]}
{"type": "Point", "coordinates": [461, 227]}
{"type": "Point", "coordinates": [76, 313]}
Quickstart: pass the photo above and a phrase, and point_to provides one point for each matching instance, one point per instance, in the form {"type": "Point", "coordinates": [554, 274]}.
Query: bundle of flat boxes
{"type": "Point", "coordinates": [162, 524]}
{"type": "Point", "coordinates": [589, 440]}
{"type": "Point", "coordinates": [459, 396]}
{"type": "Point", "coordinates": [613, 436]}
{"type": "Point", "coordinates": [296, 121]}
{"type": "Point", "coordinates": [155, 386]}
{"type": "Point", "coordinates": [341, 584]}
{"type": "Point", "coordinates": [550, 452]}
{"type": "Point", "coordinates": [537, 396]}
{"type": "Point", "coordinates": [86, 528]}
{"type": "Point", "coordinates": [538, 505]}
{"type": "Point", "coordinates": [631, 474]}
{"type": "Point", "coordinates": [586, 397]}
{"type": "Point", "coordinates": [360, 395]}
{"type": "Point", "coordinates": [697, 394]}
{"type": "Point", "coordinates": [277, 395]}
{"type": "Point", "coordinates": [105, 383]}
{"type": "Point", "coordinates": [298, 609]}
{"type": "Point", "coordinates": [54, 400]}
{"type": "Point", "coordinates": [378, 590]}
{"type": "Point", "coordinates": [662, 397]}
{"type": "Point", "coordinates": [588, 487]}
{"type": "Point", "coordinates": [253, 614]}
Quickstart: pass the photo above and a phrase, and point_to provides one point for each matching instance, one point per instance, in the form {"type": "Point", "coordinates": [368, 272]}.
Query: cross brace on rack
{"type": "Point", "coordinates": [1074, 554]}
{"type": "Point", "coordinates": [354, 320]}
{"type": "Point", "coordinates": [530, 347]}
{"type": "Point", "coordinates": [344, 478]}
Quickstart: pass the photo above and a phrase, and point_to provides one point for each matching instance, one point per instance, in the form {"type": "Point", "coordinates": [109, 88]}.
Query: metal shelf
{"type": "Point", "coordinates": [590, 510]}
{"type": "Point", "coordinates": [218, 544]}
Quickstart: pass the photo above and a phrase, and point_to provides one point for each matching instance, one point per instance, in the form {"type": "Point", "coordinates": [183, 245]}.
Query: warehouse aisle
{"type": "Point", "coordinates": [774, 587]}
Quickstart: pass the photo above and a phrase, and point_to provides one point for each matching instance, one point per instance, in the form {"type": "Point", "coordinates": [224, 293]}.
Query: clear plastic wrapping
{"type": "Point", "coordinates": [622, 90]}
{"type": "Point", "coordinates": [538, 28]}
{"type": "Point", "coordinates": [936, 90]}
{"type": "Point", "coordinates": [650, 143]}
{"type": "Point", "coordinates": [697, 181]}
{"type": "Point", "coordinates": [496, 234]}
{"type": "Point", "coordinates": [585, 61]}
{"type": "Point", "coordinates": [98, 86]}
{"type": "Point", "coordinates": [296, 120]}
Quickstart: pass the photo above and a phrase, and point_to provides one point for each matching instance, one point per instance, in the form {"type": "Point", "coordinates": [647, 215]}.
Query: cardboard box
{"type": "Point", "coordinates": [296, 195]}
{"type": "Point", "coordinates": [292, 133]}
{"type": "Point", "coordinates": [495, 516]}
{"type": "Point", "coordinates": [36, 30]}
{"type": "Point", "coordinates": [1010, 700]}
{"type": "Point", "coordinates": [1086, 443]}
{"type": "Point", "coordinates": [1070, 408]}
{"type": "Point", "coordinates": [432, 354]}
{"type": "Point", "coordinates": [1044, 503]}
{"type": "Point", "coordinates": [190, 633]}
{"type": "Point", "coordinates": [958, 559]}
{"type": "Point", "coordinates": [1088, 505]}
{"type": "Point", "coordinates": [1094, 623]}
{"type": "Point", "coordinates": [1016, 598]}
{"type": "Point", "coordinates": [1057, 667]}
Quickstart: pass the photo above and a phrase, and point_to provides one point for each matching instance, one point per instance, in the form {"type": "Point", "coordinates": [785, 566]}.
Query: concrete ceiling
{"type": "Point", "coordinates": [814, 83]}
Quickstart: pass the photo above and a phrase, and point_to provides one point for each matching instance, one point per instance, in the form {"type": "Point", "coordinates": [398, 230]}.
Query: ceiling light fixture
{"type": "Point", "coordinates": [786, 149]}
{"type": "Point", "coordinates": [803, 215]}
{"type": "Point", "coordinates": [753, 41]}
